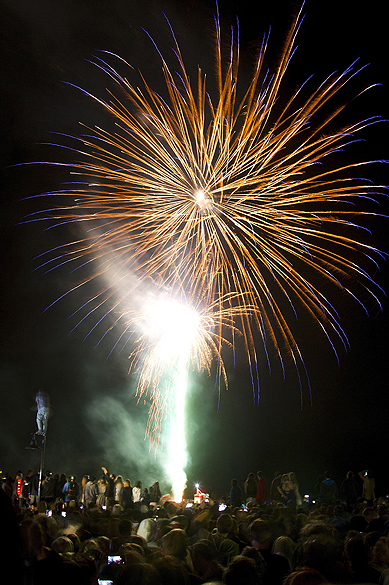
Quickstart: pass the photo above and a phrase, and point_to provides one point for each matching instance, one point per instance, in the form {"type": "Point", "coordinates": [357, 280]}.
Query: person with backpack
{"type": "Point", "coordinates": [71, 490]}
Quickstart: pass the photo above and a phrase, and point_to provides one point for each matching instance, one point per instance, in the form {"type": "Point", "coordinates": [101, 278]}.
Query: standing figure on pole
{"type": "Point", "coordinates": [43, 406]}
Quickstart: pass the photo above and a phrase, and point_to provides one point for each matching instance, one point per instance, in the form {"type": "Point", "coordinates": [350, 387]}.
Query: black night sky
{"type": "Point", "coordinates": [96, 420]}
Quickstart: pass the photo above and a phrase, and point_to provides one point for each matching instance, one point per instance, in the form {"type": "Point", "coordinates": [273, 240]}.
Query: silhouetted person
{"type": "Point", "coordinates": [204, 561]}
{"type": "Point", "coordinates": [261, 488]}
{"type": "Point", "coordinates": [250, 488]}
{"type": "Point", "coordinates": [350, 489]}
{"type": "Point", "coordinates": [277, 566]}
{"type": "Point", "coordinates": [276, 492]}
{"type": "Point", "coordinates": [10, 543]}
{"type": "Point", "coordinates": [328, 489]}
{"type": "Point", "coordinates": [235, 494]}
{"type": "Point", "coordinates": [242, 571]}
{"type": "Point", "coordinates": [110, 489]}
{"type": "Point", "coordinates": [368, 490]}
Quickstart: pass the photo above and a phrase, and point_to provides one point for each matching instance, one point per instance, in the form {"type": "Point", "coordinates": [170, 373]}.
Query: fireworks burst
{"type": "Point", "coordinates": [171, 336]}
{"type": "Point", "coordinates": [222, 197]}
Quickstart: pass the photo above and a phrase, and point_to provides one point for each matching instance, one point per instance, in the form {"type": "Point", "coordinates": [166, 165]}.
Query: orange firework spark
{"type": "Point", "coordinates": [227, 198]}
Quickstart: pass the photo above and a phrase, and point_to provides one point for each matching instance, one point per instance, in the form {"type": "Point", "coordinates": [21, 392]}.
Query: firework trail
{"type": "Point", "coordinates": [229, 198]}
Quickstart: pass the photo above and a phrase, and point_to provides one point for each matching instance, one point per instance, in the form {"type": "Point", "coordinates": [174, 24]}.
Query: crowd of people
{"type": "Point", "coordinates": [104, 531]}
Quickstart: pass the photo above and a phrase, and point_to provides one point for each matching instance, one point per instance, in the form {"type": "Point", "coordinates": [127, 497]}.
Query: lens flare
{"type": "Point", "coordinates": [234, 199]}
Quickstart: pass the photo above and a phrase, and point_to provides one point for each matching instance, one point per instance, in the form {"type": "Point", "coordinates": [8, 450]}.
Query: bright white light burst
{"type": "Point", "coordinates": [172, 329]}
